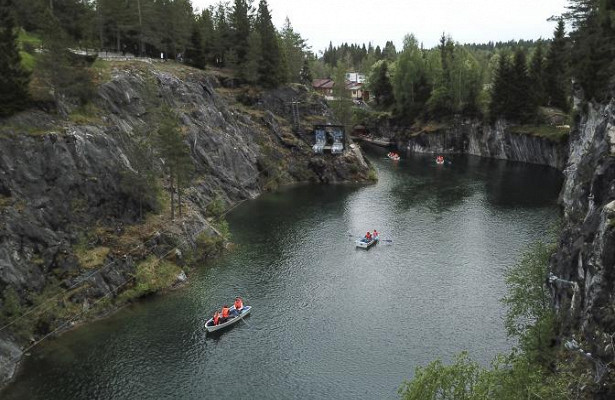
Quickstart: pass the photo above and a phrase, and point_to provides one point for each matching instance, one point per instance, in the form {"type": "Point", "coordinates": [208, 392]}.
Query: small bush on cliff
{"type": "Point", "coordinates": [209, 245]}
{"type": "Point", "coordinates": [530, 315]}
{"type": "Point", "coordinates": [151, 276]}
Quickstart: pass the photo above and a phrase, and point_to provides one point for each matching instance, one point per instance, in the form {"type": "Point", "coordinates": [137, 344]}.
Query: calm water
{"type": "Point", "coordinates": [328, 321]}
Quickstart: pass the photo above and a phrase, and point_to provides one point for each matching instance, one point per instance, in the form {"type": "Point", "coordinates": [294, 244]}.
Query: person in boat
{"type": "Point", "coordinates": [216, 319]}
{"type": "Point", "coordinates": [238, 306]}
{"type": "Point", "coordinates": [368, 237]}
{"type": "Point", "coordinates": [225, 313]}
{"type": "Point", "coordinates": [375, 235]}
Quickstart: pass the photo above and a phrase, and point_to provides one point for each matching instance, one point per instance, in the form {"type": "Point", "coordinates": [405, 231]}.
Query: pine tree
{"type": "Point", "coordinates": [195, 54]}
{"type": "Point", "coordinates": [501, 93]}
{"type": "Point", "coordinates": [537, 76]}
{"type": "Point", "coordinates": [222, 35]}
{"type": "Point", "coordinates": [293, 47]}
{"type": "Point", "coordinates": [270, 65]}
{"type": "Point", "coordinates": [305, 75]}
{"type": "Point", "coordinates": [380, 84]}
{"type": "Point", "coordinates": [557, 80]}
{"type": "Point", "coordinates": [593, 52]}
{"type": "Point", "coordinates": [13, 78]}
{"type": "Point", "coordinates": [249, 69]}
{"type": "Point", "coordinates": [65, 74]}
{"type": "Point", "coordinates": [175, 154]}
{"type": "Point", "coordinates": [521, 106]}
{"type": "Point", "coordinates": [205, 24]}
{"type": "Point", "coordinates": [240, 29]}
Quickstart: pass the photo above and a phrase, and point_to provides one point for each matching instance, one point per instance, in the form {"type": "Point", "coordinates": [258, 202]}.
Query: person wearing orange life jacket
{"type": "Point", "coordinates": [225, 313]}
{"type": "Point", "coordinates": [238, 306]}
{"type": "Point", "coordinates": [368, 236]}
{"type": "Point", "coordinates": [216, 318]}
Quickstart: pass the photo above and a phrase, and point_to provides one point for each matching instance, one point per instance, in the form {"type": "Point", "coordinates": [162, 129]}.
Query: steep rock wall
{"type": "Point", "coordinates": [583, 269]}
{"type": "Point", "coordinates": [482, 140]}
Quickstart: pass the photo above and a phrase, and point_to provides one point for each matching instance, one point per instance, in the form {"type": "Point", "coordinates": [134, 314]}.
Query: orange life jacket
{"type": "Point", "coordinates": [238, 304]}
{"type": "Point", "coordinates": [216, 318]}
{"type": "Point", "coordinates": [225, 311]}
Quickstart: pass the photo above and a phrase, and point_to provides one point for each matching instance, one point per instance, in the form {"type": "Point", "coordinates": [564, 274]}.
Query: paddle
{"type": "Point", "coordinates": [246, 322]}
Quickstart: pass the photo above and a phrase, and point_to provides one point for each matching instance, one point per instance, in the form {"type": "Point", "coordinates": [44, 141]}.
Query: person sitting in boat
{"type": "Point", "coordinates": [238, 306]}
{"type": "Point", "coordinates": [368, 237]}
{"type": "Point", "coordinates": [225, 313]}
{"type": "Point", "coordinates": [216, 318]}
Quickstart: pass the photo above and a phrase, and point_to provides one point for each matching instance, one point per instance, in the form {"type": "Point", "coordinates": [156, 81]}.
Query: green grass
{"type": "Point", "coordinates": [28, 39]}
{"type": "Point", "coordinates": [91, 258]}
{"type": "Point", "coordinates": [27, 60]}
{"type": "Point", "coordinates": [549, 132]}
{"type": "Point", "coordinates": [88, 114]}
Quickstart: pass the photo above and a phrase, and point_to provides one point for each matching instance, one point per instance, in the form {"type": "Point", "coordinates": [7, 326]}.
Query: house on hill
{"type": "Point", "coordinates": [325, 87]}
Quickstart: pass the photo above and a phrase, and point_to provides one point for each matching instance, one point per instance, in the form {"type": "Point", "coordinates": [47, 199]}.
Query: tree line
{"type": "Point", "coordinates": [510, 80]}
{"type": "Point", "coordinates": [236, 36]}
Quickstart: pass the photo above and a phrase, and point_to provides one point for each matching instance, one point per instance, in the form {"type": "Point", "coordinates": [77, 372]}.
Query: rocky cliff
{"type": "Point", "coordinates": [84, 198]}
{"type": "Point", "coordinates": [583, 270]}
{"type": "Point", "coordinates": [497, 141]}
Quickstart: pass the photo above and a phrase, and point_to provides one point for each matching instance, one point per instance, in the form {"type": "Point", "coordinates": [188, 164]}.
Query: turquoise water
{"type": "Point", "coordinates": [328, 320]}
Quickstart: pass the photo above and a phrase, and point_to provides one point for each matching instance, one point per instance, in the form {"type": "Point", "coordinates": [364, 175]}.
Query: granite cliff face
{"type": "Point", "coordinates": [476, 138]}
{"type": "Point", "coordinates": [583, 270]}
{"type": "Point", "coordinates": [77, 209]}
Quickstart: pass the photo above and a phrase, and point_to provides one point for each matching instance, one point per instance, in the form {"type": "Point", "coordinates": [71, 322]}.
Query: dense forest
{"type": "Point", "coordinates": [505, 79]}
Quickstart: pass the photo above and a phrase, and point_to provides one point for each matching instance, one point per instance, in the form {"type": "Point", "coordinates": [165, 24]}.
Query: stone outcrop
{"type": "Point", "coordinates": [583, 269]}
{"type": "Point", "coordinates": [66, 183]}
{"type": "Point", "coordinates": [476, 138]}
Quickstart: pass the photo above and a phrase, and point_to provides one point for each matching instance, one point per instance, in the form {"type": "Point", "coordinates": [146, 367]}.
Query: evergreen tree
{"type": "Point", "coordinates": [501, 93]}
{"type": "Point", "coordinates": [222, 35]}
{"type": "Point", "coordinates": [522, 107]}
{"type": "Point", "coordinates": [250, 68]}
{"type": "Point", "coordinates": [270, 64]}
{"type": "Point", "coordinates": [557, 78]}
{"type": "Point", "coordinates": [389, 52]}
{"type": "Point", "coordinates": [240, 29]}
{"type": "Point", "coordinates": [13, 78]}
{"type": "Point", "coordinates": [305, 76]}
{"type": "Point", "coordinates": [205, 24]}
{"type": "Point", "coordinates": [293, 47]}
{"type": "Point", "coordinates": [593, 51]}
{"type": "Point", "coordinates": [66, 75]}
{"type": "Point", "coordinates": [195, 54]}
{"type": "Point", "coordinates": [380, 84]}
{"type": "Point", "coordinates": [378, 53]}
{"type": "Point", "coordinates": [537, 76]}
{"type": "Point", "coordinates": [175, 154]}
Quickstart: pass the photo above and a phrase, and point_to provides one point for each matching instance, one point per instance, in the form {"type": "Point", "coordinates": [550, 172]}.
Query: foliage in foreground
{"type": "Point", "coordinates": [510, 378]}
{"type": "Point", "coordinates": [522, 374]}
